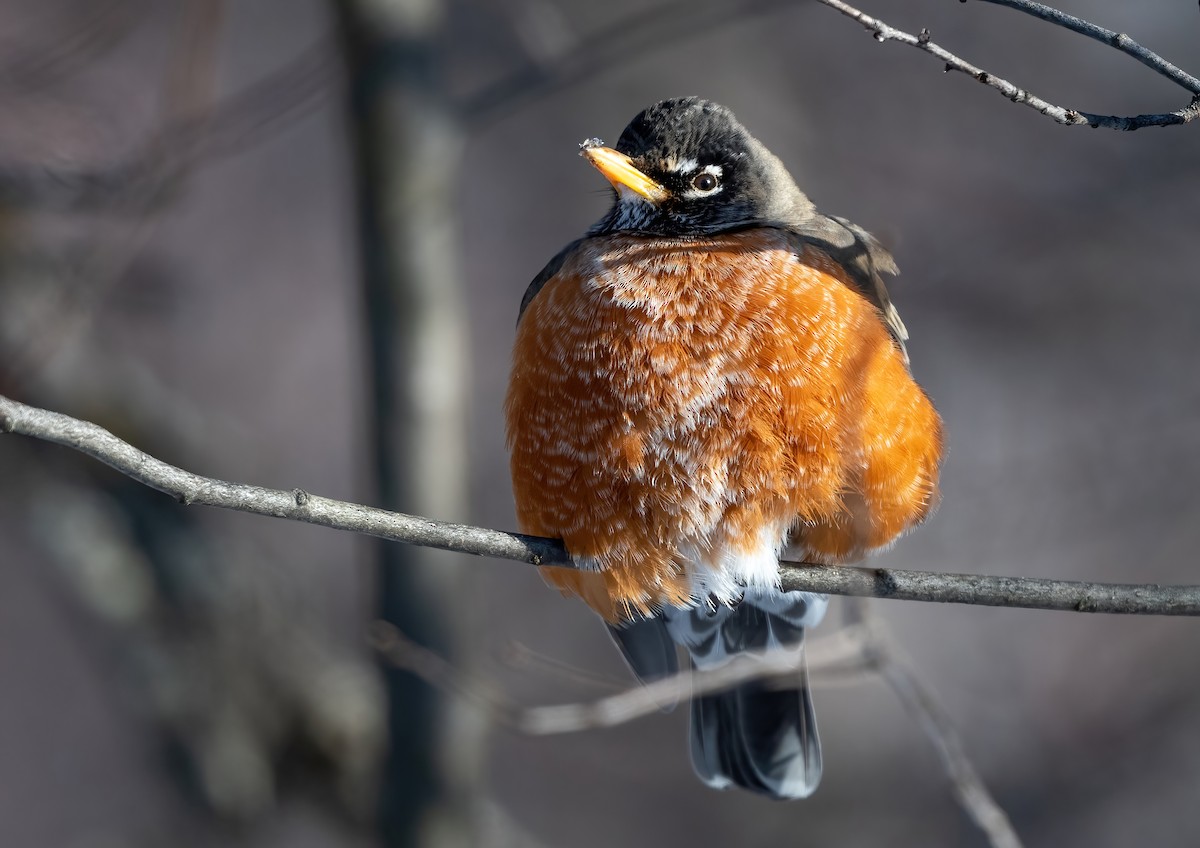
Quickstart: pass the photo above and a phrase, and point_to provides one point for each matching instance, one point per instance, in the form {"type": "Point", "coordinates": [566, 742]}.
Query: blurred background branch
{"type": "Point", "coordinates": [190, 134]}
{"type": "Point", "coordinates": [241, 692]}
{"type": "Point", "coordinates": [187, 87]}
{"type": "Point", "coordinates": [101, 29]}
{"type": "Point", "coordinates": [833, 653]}
{"type": "Point", "coordinates": [569, 60]}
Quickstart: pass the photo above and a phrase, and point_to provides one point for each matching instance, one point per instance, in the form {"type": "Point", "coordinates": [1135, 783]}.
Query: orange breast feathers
{"type": "Point", "coordinates": [677, 407]}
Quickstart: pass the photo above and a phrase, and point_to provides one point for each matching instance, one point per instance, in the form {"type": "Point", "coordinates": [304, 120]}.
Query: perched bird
{"type": "Point", "coordinates": [712, 373]}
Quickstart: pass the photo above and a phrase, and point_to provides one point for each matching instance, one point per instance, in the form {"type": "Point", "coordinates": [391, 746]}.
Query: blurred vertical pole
{"type": "Point", "coordinates": [407, 148]}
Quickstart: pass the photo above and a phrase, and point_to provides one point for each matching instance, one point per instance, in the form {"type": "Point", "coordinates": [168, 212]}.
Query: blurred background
{"type": "Point", "coordinates": [283, 242]}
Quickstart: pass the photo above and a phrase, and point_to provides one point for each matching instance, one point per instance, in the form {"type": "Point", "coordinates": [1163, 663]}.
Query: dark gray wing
{"type": "Point", "coordinates": [544, 276]}
{"type": "Point", "coordinates": [649, 650]}
{"type": "Point", "coordinates": [647, 647]}
{"type": "Point", "coordinates": [863, 256]}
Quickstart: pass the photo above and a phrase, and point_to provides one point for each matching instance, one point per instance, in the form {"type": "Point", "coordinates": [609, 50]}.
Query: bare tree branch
{"type": "Point", "coordinates": [298, 505]}
{"type": "Point", "coordinates": [675, 20]}
{"type": "Point", "coordinates": [1070, 117]}
{"type": "Point", "coordinates": [1117, 40]}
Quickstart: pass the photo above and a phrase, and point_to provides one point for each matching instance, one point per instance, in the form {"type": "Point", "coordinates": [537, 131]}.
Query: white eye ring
{"type": "Point", "coordinates": [705, 182]}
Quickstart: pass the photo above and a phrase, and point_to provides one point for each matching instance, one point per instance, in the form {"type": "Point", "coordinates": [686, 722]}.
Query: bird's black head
{"type": "Point", "coordinates": [686, 167]}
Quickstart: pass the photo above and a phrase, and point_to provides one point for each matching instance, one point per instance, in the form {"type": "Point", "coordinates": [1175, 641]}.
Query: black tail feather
{"type": "Point", "coordinates": [756, 736]}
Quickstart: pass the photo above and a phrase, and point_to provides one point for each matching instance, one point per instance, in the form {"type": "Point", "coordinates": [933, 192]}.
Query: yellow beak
{"type": "Point", "coordinates": [618, 169]}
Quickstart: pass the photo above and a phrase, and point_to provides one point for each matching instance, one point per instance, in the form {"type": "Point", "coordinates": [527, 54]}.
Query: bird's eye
{"type": "Point", "coordinates": [705, 182]}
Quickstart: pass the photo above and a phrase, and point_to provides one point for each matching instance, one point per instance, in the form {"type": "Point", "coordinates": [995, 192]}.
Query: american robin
{"type": "Point", "coordinates": [712, 373]}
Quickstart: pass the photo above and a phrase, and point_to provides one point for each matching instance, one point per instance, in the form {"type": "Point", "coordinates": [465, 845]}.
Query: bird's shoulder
{"type": "Point", "coordinates": [547, 274]}
{"type": "Point", "coordinates": [862, 256]}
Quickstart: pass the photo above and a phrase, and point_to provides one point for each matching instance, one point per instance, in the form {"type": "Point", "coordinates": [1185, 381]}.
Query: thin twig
{"type": "Point", "coordinates": [878, 649]}
{"type": "Point", "coordinates": [1069, 117]}
{"type": "Point", "coordinates": [836, 657]}
{"type": "Point", "coordinates": [969, 788]}
{"type": "Point", "coordinates": [298, 505]}
{"type": "Point", "coordinates": [1117, 40]}
{"type": "Point", "coordinates": [517, 655]}
{"type": "Point", "coordinates": [623, 707]}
